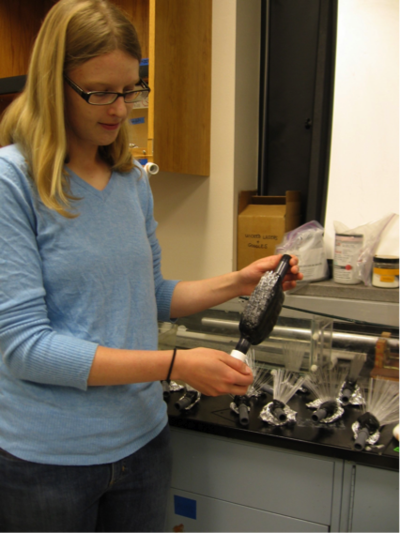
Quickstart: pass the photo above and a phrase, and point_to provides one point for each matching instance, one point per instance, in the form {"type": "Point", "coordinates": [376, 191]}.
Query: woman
{"type": "Point", "coordinates": [84, 442]}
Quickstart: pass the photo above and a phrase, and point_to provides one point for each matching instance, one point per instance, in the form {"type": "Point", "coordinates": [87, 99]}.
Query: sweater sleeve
{"type": "Point", "coordinates": [30, 348]}
{"type": "Point", "coordinates": [163, 288]}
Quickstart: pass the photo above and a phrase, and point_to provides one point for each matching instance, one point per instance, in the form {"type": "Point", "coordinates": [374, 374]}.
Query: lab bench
{"type": "Point", "coordinates": [303, 476]}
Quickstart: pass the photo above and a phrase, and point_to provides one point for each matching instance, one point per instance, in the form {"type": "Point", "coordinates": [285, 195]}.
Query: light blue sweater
{"type": "Point", "coordinates": [67, 286]}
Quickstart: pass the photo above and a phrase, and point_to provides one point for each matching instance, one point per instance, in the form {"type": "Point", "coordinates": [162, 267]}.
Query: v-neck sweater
{"type": "Point", "coordinates": [66, 287]}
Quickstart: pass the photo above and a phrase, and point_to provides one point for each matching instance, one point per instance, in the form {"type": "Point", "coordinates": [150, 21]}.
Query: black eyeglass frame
{"type": "Point", "coordinates": [86, 96]}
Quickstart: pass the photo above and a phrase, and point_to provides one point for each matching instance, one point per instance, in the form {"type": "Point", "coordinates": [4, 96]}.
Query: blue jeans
{"type": "Point", "coordinates": [129, 495]}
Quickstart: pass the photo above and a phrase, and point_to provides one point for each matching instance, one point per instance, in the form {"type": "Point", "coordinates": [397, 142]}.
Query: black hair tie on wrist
{"type": "Point", "coordinates": [171, 365]}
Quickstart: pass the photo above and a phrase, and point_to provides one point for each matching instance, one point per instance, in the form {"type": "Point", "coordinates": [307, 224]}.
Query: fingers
{"type": "Point", "coordinates": [294, 266]}
{"type": "Point", "coordinates": [269, 263]}
{"type": "Point", "coordinates": [238, 376]}
{"type": "Point", "coordinates": [250, 276]}
{"type": "Point", "coordinates": [272, 261]}
{"type": "Point", "coordinates": [289, 285]}
{"type": "Point", "coordinates": [237, 365]}
{"type": "Point", "coordinates": [236, 390]}
{"type": "Point", "coordinates": [214, 372]}
{"type": "Point", "coordinates": [293, 275]}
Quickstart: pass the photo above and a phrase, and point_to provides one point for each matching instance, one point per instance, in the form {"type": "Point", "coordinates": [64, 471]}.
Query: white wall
{"type": "Point", "coordinates": [364, 169]}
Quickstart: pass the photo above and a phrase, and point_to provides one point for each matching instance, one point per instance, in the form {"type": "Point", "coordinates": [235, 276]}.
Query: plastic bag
{"type": "Point", "coordinates": [306, 242]}
{"type": "Point", "coordinates": [372, 233]}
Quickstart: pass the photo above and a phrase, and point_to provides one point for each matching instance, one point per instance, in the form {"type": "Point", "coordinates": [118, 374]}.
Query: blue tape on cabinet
{"type": "Point", "coordinates": [185, 507]}
{"type": "Point", "coordinates": [138, 120]}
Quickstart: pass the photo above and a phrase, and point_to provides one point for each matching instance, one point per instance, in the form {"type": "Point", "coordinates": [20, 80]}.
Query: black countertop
{"type": "Point", "coordinates": [213, 415]}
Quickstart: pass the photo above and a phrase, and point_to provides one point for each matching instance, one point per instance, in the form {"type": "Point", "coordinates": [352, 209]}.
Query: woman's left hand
{"type": "Point", "coordinates": [191, 297]}
{"type": "Point", "coordinates": [250, 276]}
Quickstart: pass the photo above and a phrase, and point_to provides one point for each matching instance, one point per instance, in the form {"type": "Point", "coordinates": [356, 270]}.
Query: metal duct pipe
{"type": "Point", "coordinates": [339, 339]}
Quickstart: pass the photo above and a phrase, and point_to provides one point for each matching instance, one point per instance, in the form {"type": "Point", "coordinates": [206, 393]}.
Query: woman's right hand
{"type": "Point", "coordinates": [212, 372]}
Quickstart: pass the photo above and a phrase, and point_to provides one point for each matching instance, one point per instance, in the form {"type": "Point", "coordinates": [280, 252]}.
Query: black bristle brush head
{"type": "Point", "coordinates": [262, 310]}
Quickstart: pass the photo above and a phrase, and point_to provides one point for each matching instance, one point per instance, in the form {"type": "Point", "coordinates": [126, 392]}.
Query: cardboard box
{"type": "Point", "coordinates": [262, 223]}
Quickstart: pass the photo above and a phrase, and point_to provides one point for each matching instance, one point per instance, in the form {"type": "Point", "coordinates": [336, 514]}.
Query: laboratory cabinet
{"type": "Point", "coordinates": [370, 499]}
{"type": "Point", "coordinates": [224, 484]}
{"type": "Point", "coordinates": [173, 128]}
{"type": "Point", "coordinates": [228, 485]}
{"type": "Point", "coordinates": [218, 515]}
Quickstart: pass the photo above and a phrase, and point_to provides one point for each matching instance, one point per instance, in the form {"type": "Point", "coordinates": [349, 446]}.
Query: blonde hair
{"type": "Point", "coordinates": [73, 32]}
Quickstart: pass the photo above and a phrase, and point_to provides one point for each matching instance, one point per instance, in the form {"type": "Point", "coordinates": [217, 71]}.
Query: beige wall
{"type": "Point", "coordinates": [197, 216]}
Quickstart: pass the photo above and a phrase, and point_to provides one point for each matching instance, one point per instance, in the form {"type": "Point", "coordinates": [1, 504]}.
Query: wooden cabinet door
{"type": "Point", "coordinates": [182, 85]}
{"type": "Point", "coordinates": [20, 21]}
{"type": "Point", "coordinates": [176, 38]}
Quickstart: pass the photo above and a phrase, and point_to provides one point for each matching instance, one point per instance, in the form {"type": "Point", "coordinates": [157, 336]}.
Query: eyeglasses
{"type": "Point", "coordinates": [139, 93]}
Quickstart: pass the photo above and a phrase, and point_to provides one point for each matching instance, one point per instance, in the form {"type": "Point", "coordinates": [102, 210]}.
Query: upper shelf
{"type": "Point", "coordinates": [12, 84]}
{"type": "Point", "coordinates": [331, 289]}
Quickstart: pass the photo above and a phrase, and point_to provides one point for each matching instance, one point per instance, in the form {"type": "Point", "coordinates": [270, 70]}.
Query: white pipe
{"type": "Point", "coordinates": [151, 168]}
